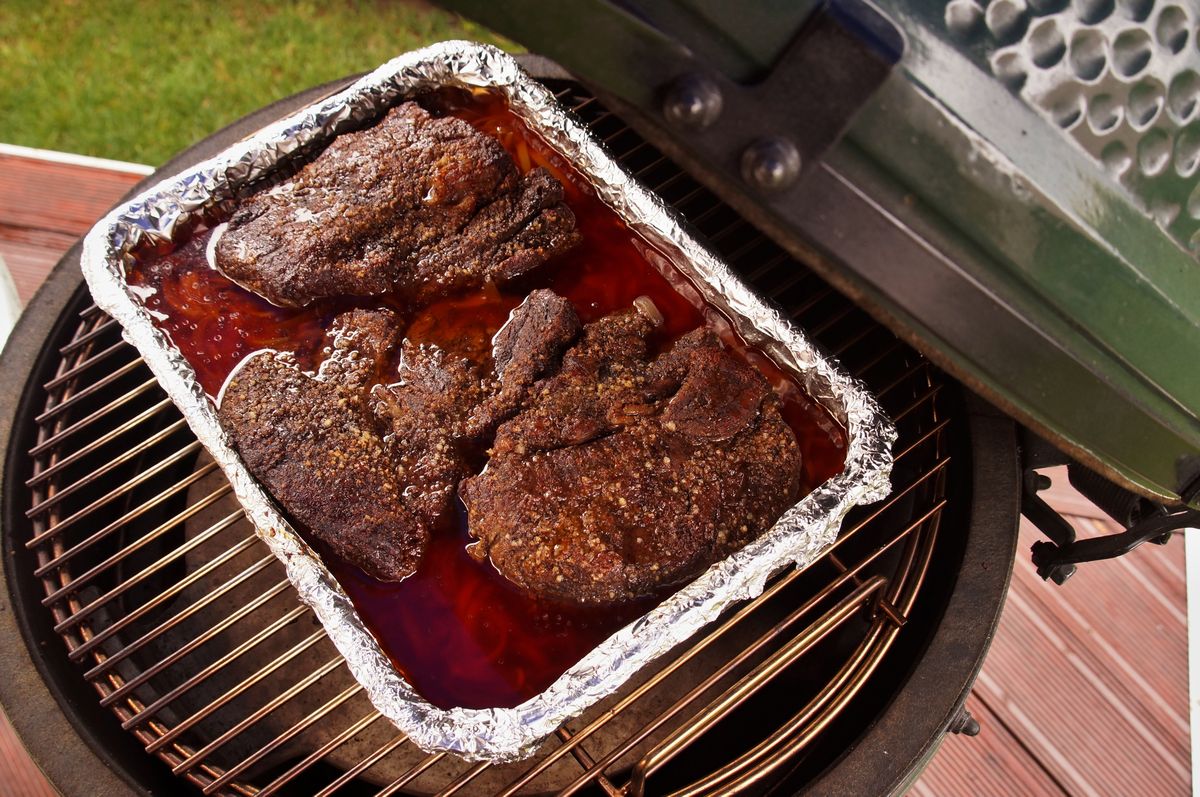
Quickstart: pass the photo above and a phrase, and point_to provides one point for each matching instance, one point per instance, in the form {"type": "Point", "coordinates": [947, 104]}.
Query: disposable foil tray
{"type": "Point", "coordinates": [167, 210]}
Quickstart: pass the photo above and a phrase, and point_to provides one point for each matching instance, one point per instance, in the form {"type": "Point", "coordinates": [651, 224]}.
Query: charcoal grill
{"type": "Point", "coordinates": [165, 650]}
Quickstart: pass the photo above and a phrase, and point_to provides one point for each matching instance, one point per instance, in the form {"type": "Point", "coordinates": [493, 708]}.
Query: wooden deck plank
{"type": "Point", "coordinates": [19, 776]}
{"type": "Point", "coordinates": [30, 254]}
{"type": "Point", "coordinates": [1120, 629]}
{"type": "Point", "coordinates": [1063, 497]}
{"type": "Point", "coordinates": [993, 763]}
{"type": "Point", "coordinates": [1091, 676]}
{"type": "Point", "coordinates": [45, 206]}
{"type": "Point", "coordinates": [59, 197]}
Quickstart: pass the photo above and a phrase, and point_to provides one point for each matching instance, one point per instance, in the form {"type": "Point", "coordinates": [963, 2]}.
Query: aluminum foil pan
{"type": "Point", "coordinates": [799, 537]}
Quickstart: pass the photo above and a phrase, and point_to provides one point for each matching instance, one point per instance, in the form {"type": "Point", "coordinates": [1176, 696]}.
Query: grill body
{"type": "Point", "coordinates": [163, 643]}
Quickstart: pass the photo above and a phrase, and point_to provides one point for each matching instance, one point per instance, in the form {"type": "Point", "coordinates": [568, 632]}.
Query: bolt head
{"type": "Point", "coordinates": [771, 164]}
{"type": "Point", "coordinates": [692, 101]}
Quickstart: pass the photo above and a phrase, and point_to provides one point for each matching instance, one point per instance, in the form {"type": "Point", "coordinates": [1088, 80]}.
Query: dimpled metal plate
{"type": "Point", "coordinates": [1121, 77]}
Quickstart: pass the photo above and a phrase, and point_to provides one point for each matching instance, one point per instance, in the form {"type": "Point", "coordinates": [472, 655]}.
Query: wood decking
{"type": "Point", "coordinates": [1085, 690]}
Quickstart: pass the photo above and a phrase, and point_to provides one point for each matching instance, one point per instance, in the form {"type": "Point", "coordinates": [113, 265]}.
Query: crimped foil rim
{"type": "Point", "coordinates": [799, 536]}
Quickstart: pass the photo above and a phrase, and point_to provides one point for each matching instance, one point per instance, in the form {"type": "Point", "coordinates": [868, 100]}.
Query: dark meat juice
{"type": "Point", "coordinates": [458, 631]}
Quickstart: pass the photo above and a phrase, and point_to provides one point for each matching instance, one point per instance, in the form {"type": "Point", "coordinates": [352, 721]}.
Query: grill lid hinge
{"type": "Point", "coordinates": [1142, 519]}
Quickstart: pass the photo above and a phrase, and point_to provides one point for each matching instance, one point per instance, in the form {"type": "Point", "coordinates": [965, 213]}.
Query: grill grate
{"type": "Point", "coordinates": [190, 633]}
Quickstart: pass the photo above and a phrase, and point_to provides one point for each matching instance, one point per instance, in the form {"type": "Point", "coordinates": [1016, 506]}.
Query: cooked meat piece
{"type": "Point", "coordinates": [534, 334]}
{"type": "Point", "coordinates": [324, 444]}
{"type": "Point", "coordinates": [598, 387]}
{"type": "Point", "coordinates": [436, 388]}
{"type": "Point", "coordinates": [697, 409]}
{"type": "Point", "coordinates": [418, 204]}
{"type": "Point", "coordinates": [523, 349]}
{"type": "Point", "coordinates": [624, 475]}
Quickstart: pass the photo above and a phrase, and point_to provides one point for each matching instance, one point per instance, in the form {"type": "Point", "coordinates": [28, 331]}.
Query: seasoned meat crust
{"type": "Point", "coordinates": [523, 349]}
{"type": "Point", "coordinates": [369, 461]}
{"type": "Point", "coordinates": [418, 204]}
{"type": "Point", "coordinates": [623, 475]}
{"type": "Point", "coordinates": [312, 440]}
{"type": "Point", "coordinates": [611, 473]}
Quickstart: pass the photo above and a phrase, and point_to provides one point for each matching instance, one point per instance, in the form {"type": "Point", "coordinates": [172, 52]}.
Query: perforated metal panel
{"type": "Point", "coordinates": [1122, 78]}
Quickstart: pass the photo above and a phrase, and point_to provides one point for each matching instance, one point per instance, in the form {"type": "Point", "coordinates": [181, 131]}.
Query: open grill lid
{"type": "Point", "coordinates": [972, 179]}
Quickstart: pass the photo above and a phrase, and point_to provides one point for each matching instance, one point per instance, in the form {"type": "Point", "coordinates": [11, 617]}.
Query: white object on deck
{"type": "Point", "coordinates": [10, 304]}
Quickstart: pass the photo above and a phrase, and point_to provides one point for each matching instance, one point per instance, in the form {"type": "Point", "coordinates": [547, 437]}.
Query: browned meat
{"type": "Point", "coordinates": [369, 462]}
{"type": "Point", "coordinates": [367, 469]}
{"type": "Point", "coordinates": [523, 349]}
{"type": "Point", "coordinates": [419, 204]}
{"type": "Point", "coordinates": [312, 441]}
{"type": "Point", "coordinates": [625, 475]}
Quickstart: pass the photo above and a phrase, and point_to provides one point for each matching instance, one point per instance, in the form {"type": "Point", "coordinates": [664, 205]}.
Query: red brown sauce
{"type": "Point", "coordinates": [458, 631]}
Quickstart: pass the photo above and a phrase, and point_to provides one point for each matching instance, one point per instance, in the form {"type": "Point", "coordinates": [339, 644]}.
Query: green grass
{"type": "Point", "coordinates": [139, 81]}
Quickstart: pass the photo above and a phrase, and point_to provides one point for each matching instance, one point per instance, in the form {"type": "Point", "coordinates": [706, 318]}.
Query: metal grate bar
{"type": "Point", "coordinates": [651, 166]}
{"type": "Point", "coordinates": [63, 492]}
{"type": "Point", "coordinates": [703, 721]}
{"type": "Point", "coordinates": [87, 392]}
{"type": "Point", "coordinates": [319, 753]}
{"type": "Point", "coordinates": [463, 780]}
{"type": "Point", "coordinates": [413, 772]}
{"type": "Point", "coordinates": [91, 418]}
{"type": "Point", "coordinates": [362, 766]}
{"type": "Point", "coordinates": [233, 692]}
{"type": "Point", "coordinates": [815, 298]}
{"type": "Point", "coordinates": [75, 456]}
{"type": "Point", "coordinates": [83, 612]}
{"type": "Point", "coordinates": [882, 357]}
{"type": "Point", "coordinates": [586, 761]}
{"type": "Point", "coordinates": [129, 516]}
{"type": "Point", "coordinates": [78, 343]}
{"type": "Point", "coordinates": [73, 584]}
{"type": "Point", "coordinates": [767, 755]}
{"type": "Point", "coordinates": [77, 369]}
{"type": "Point", "coordinates": [124, 489]}
{"type": "Point", "coordinates": [266, 633]}
{"type": "Point", "coordinates": [859, 336]}
{"type": "Point", "coordinates": [768, 669]}
{"type": "Point", "coordinates": [917, 403]}
{"type": "Point", "coordinates": [767, 266]}
{"type": "Point", "coordinates": [841, 315]}
{"type": "Point", "coordinates": [108, 661]}
{"type": "Point", "coordinates": [181, 517]}
{"type": "Point", "coordinates": [179, 653]}
{"type": "Point", "coordinates": [254, 717]}
{"type": "Point", "coordinates": [275, 743]}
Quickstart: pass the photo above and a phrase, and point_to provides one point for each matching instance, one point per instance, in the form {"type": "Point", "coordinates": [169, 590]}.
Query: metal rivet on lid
{"type": "Point", "coordinates": [771, 164]}
{"type": "Point", "coordinates": [692, 101]}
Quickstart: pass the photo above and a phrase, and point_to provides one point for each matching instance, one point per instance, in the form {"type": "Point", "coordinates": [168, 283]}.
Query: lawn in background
{"type": "Point", "coordinates": [139, 81]}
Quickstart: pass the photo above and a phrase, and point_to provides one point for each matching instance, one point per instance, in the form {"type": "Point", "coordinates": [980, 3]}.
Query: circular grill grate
{"type": "Point", "coordinates": [190, 633]}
